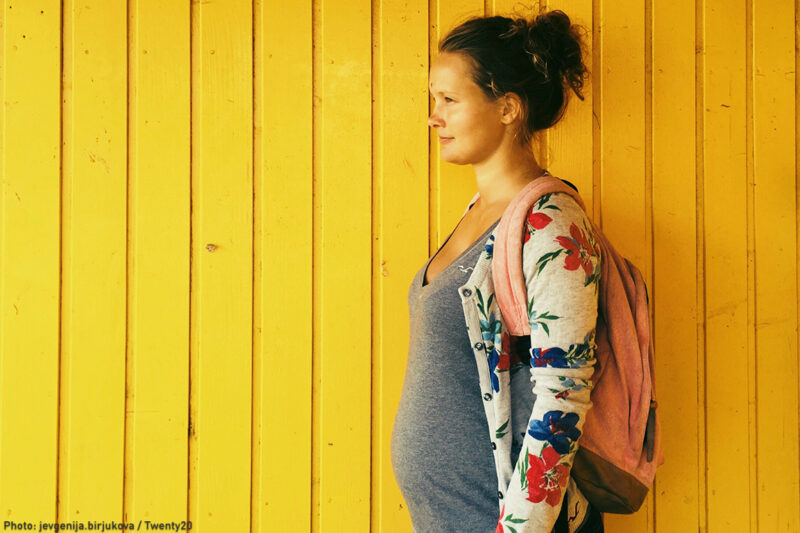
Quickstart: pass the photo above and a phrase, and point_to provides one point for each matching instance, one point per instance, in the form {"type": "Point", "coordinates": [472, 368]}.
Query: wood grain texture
{"type": "Point", "coordinates": [774, 216]}
{"type": "Point", "coordinates": [282, 258]}
{"type": "Point", "coordinates": [30, 138]}
{"type": "Point", "coordinates": [157, 372]}
{"type": "Point", "coordinates": [94, 262]}
{"type": "Point", "coordinates": [727, 268]}
{"type": "Point", "coordinates": [342, 267]}
{"type": "Point", "coordinates": [222, 273]}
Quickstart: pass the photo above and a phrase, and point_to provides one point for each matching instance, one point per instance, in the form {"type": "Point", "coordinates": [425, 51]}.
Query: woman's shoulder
{"type": "Point", "coordinates": [557, 230]}
{"type": "Point", "coordinates": [555, 212]}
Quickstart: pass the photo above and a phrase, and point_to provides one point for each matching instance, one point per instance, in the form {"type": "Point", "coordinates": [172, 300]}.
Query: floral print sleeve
{"type": "Point", "coordinates": [561, 265]}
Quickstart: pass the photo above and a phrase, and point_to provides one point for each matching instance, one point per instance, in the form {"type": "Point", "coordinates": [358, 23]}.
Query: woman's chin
{"type": "Point", "coordinates": [450, 157]}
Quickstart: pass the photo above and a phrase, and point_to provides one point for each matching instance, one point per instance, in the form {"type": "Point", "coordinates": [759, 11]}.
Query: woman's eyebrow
{"type": "Point", "coordinates": [430, 89]}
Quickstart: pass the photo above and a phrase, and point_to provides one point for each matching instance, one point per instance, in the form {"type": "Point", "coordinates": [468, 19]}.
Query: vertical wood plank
{"type": "Point", "coordinates": [675, 264]}
{"type": "Point", "coordinates": [281, 499]}
{"type": "Point", "coordinates": [342, 259]}
{"type": "Point", "coordinates": [93, 311]}
{"type": "Point", "coordinates": [726, 268]}
{"type": "Point", "coordinates": [797, 182]}
{"type": "Point", "coordinates": [221, 284]}
{"type": "Point", "coordinates": [623, 165]}
{"type": "Point", "coordinates": [30, 85]}
{"type": "Point", "coordinates": [156, 474]}
{"type": "Point", "coordinates": [400, 203]}
{"type": "Point", "coordinates": [775, 174]}
{"type": "Point", "coordinates": [451, 186]}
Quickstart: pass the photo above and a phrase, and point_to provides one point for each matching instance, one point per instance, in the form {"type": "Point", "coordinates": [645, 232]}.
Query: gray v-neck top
{"type": "Point", "coordinates": [441, 451]}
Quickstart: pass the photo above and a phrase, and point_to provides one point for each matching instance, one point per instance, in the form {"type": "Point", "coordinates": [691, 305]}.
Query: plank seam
{"type": "Point", "coordinates": [797, 187]}
{"type": "Point", "coordinates": [752, 308]}
{"type": "Point", "coordinates": [255, 411]}
{"type": "Point", "coordinates": [648, 183]}
{"type": "Point", "coordinates": [130, 109]}
{"type": "Point", "coordinates": [597, 111]}
{"type": "Point", "coordinates": [316, 58]}
{"type": "Point", "coordinates": [702, 312]}
{"type": "Point", "coordinates": [193, 42]}
{"type": "Point", "coordinates": [61, 192]}
{"type": "Point", "coordinates": [373, 86]}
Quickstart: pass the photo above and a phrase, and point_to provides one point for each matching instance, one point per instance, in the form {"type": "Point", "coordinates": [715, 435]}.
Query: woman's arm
{"type": "Point", "coordinates": [561, 265]}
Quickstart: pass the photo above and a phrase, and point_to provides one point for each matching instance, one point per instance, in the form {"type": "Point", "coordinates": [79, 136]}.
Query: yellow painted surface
{"type": "Point", "coordinates": [94, 200]}
{"type": "Point", "coordinates": [221, 294]}
{"type": "Point", "coordinates": [159, 225]}
{"type": "Point", "coordinates": [341, 442]}
{"type": "Point", "coordinates": [210, 215]}
{"type": "Point", "coordinates": [728, 268]}
{"type": "Point", "coordinates": [282, 241]}
{"type": "Point", "coordinates": [30, 197]}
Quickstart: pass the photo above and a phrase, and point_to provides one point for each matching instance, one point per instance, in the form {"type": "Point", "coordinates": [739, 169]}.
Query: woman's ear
{"type": "Point", "coordinates": [511, 108]}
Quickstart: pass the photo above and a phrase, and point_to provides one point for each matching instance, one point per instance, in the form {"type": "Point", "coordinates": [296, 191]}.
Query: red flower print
{"type": "Point", "coordinates": [546, 476]}
{"type": "Point", "coordinates": [505, 359]}
{"type": "Point", "coordinates": [535, 221]}
{"type": "Point", "coordinates": [499, 528]}
{"type": "Point", "coordinates": [579, 250]}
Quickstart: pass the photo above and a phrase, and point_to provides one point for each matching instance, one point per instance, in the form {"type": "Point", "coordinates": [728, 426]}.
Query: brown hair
{"type": "Point", "coordinates": [538, 60]}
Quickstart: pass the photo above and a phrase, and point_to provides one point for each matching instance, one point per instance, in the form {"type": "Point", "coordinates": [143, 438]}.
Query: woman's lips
{"type": "Point", "coordinates": [445, 140]}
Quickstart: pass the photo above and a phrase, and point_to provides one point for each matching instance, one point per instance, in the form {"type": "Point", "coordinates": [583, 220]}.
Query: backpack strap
{"type": "Point", "coordinates": [509, 281]}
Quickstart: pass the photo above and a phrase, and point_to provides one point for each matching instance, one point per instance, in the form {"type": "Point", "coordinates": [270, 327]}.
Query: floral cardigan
{"type": "Point", "coordinates": [561, 266]}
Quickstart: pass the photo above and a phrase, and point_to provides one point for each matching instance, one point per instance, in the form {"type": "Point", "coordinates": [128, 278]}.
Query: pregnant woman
{"type": "Point", "coordinates": [467, 454]}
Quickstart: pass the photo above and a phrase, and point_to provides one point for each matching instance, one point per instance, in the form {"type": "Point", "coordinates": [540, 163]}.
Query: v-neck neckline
{"type": "Point", "coordinates": [423, 284]}
{"type": "Point", "coordinates": [482, 238]}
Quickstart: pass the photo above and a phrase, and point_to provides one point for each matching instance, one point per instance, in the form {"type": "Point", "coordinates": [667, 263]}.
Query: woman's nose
{"type": "Point", "coordinates": [434, 121]}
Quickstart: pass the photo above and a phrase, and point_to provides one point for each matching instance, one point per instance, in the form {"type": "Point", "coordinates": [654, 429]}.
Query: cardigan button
{"type": "Point", "coordinates": [494, 446]}
{"type": "Point", "coordinates": [487, 396]}
{"type": "Point", "coordinates": [499, 494]}
{"type": "Point", "coordinates": [467, 293]}
{"type": "Point", "coordinates": [479, 346]}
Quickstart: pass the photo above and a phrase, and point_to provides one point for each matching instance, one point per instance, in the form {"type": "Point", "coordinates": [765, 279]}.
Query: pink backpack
{"type": "Point", "coordinates": [620, 447]}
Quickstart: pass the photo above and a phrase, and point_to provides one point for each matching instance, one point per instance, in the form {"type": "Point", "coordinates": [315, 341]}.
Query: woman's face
{"type": "Point", "coordinates": [467, 122]}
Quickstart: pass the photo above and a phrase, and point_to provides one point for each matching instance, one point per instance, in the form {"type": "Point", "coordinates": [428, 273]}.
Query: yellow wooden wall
{"type": "Point", "coordinates": [210, 213]}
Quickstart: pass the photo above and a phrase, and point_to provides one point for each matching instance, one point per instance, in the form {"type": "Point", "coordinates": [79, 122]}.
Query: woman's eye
{"type": "Point", "coordinates": [448, 99]}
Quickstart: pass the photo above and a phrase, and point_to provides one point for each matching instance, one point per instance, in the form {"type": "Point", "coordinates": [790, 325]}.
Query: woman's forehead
{"type": "Point", "coordinates": [449, 72]}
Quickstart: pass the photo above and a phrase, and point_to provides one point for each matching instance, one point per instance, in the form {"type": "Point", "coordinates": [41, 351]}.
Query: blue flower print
{"type": "Point", "coordinates": [556, 428]}
{"type": "Point", "coordinates": [491, 329]}
{"type": "Point", "coordinates": [576, 356]}
{"type": "Point", "coordinates": [490, 247]}
{"type": "Point", "coordinates": [494, 359]}
{"type": "Point", "coordinates": [571, 384]}
{"type": "Point", "coordinates": [552, 357]}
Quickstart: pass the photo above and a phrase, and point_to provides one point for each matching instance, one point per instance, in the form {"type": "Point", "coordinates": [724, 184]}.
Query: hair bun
{"type": "Point", "coordinates": [555, 47]}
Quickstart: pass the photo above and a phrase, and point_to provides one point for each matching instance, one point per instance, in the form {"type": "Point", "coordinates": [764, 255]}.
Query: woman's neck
{"type": "Point", "coordinates": [502, 176]}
